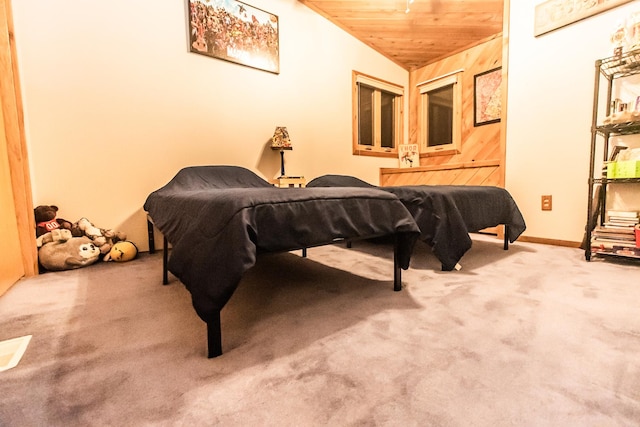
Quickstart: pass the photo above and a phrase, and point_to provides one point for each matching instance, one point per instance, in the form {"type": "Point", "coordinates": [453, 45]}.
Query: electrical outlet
{"type": "Point", "coordinates": [546, 203]}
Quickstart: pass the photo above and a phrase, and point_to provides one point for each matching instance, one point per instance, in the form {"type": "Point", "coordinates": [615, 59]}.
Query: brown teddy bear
{"type": "Point", "coordinates": [46, 220]}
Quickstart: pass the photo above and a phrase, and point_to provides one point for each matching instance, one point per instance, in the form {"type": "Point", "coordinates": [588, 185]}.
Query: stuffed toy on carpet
{"type": "Point", "coordinates": [122, 251]}
{"type": "Point", "coordinates": [47, 220]}
{"type": "Point", "coordinates": [68, 254]}
{"type": "Point", "coordinates": [63, 245]}
{"type": "Point", "coordinates": [102, 238]}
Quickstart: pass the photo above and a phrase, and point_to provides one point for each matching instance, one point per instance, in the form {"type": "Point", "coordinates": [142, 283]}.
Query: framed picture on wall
{"type": "Point", "coordinates": [236, 32]}
{"type": "Point", "coordinates": [487, 97]}
{"type": "Point", "coordinates": [553, 14]}
{"type": "Point", "coordinates": [408, 155]}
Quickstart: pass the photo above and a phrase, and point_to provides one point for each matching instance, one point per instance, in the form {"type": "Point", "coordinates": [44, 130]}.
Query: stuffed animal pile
{"type": "Point", "coordinates": [63, 245]}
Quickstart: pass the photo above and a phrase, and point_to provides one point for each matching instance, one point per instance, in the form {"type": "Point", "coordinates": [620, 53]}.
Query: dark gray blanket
{"type": "Point", "coordinates": [218, 218]}
{"type": "Point", "coordinates": [446, 214]}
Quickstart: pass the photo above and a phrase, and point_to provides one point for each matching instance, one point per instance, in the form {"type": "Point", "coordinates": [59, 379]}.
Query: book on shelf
{"type": "Point", "coordinates": [617, 250]}
{"type": "Point", "coordinates": [618, 232]}
{"type": "Point", "coordinates": [621, 233]}
{"type": "Point", "coordinates": [622, 218]}
{"type": "Point", "coordinates": [617, 212]}
{"type": "Point", "coordinates": [621, 239]}
{"type": "Point", "coordinates": [612, 244]}
{"type": "Point", "coordinates": [614, 227]}
{"type": "Point", "coordinates": [623, 214]}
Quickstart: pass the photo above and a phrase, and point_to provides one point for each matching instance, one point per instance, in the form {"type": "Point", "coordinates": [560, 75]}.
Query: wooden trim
{"type": "Point", "coordinates": [375, 153]}
{"type": "Point", "coordinates": [376, 150]}
{"type": "Point", "coordinates": [453, 79]}
{"type": "Point", "coordinates": [505, 95]}
{"type": "Point", "coordinates": [10, 96]}
{"type": "Point", "coordinates": [467, 165]}
{"type": "Point", "coordinates": [499, 233]}
{"type": "Point", "coordinates": [553, 242]}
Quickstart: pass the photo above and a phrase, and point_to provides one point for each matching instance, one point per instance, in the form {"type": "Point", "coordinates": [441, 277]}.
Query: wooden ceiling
{"type": "Point", "coordinates": [430, 31]}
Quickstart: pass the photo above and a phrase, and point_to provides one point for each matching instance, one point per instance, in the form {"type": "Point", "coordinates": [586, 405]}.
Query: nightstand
{"type": "Point", "coordinates": [290, 181]}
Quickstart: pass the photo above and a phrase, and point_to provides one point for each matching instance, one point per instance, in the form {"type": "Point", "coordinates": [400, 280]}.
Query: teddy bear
{"type": "Point", "coordinates": [102, 238]}
{"type": "Point", "coordinates": [46, 220]}
{"type": "Point", "coordinates": [69, 254]}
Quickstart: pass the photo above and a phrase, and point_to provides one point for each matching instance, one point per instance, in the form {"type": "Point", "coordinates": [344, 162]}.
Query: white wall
{"type": "Point", "coordinates": [550, 99]}
{"type": "Point", "coordinates": [115, 104]}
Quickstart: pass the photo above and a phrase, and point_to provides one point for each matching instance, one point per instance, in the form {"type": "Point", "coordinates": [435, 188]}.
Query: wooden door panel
{"type": "Point", "coordinates": [11, 265]}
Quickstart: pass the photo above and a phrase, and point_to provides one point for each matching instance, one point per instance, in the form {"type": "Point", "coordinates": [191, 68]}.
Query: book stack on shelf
{"type": "Point", "coordinates": [617, 236]}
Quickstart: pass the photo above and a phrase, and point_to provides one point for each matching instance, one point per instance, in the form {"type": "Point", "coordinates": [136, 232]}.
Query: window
{"type": "Point", "coordinates": [440, 115]}
{"type": "Point", "coordinates": [378, 116]}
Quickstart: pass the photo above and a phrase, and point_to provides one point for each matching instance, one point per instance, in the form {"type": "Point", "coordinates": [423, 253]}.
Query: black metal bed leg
{"type": "Point", "coordinates": [214, 337]}
{"type": "Point", "coordinates": [397, 272]}
{"type": "Point", "coordinates": [165, 261]}
{"type": "Point", "coordinates": [506, 237]}
{"type": "Point", "coordinates": [152, 243]}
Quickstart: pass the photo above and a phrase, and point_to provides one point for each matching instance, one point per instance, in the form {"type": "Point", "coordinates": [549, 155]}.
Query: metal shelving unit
{"type": "Point", "coordinates": [609, 69]}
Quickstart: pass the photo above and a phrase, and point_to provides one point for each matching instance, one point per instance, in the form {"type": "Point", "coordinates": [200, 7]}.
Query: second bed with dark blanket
{"type": "Point", "coordinates": [446, 214]}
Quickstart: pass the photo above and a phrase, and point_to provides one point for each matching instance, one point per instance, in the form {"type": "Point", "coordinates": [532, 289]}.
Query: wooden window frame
{"type": "Point", "coordinates": [379, 86]}
{"type": "Point", "coordinates": [454, 78]}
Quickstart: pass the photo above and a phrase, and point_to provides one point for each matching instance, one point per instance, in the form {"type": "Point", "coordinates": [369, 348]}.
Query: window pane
{"type": "Point", "coordinates": [440, 119]}
{"type": "Point", "coordinates": [387, 127]}
{"type": "Point", "coordinates": [365, 115]}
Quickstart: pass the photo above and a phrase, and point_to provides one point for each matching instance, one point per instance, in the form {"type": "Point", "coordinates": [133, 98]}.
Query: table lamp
{"type": "Point", "coordinates": [280, 141]}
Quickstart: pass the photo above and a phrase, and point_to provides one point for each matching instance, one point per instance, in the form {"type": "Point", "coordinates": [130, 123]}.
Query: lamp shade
{"type": "Point", "coordinates": [280, 139]}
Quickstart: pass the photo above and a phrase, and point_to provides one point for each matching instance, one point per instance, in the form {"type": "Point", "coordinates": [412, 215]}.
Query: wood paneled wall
{"type": "Point", "coordinates": [476, 173]}
{"type": "Point", "coordinates": [480, 159]}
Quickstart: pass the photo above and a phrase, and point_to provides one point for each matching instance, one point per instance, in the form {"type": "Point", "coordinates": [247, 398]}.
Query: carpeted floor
{"type": "Point", "coordinates": [533, 336]}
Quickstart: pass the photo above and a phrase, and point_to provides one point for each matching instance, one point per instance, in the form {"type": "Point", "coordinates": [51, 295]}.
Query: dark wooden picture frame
{"type": "Point", "coordinates": [487, 97]}
{"type": "Point", "coordinates": [236, 32]}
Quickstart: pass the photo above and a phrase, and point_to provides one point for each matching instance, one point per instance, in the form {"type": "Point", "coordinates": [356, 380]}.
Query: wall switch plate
{"type": "Point", "coordinates": [546, 203]}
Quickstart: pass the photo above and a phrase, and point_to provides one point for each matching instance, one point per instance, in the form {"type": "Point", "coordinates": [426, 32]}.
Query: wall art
{"type": "Point", "coordinates": [553, 14]}
{"type": "Point", "coordinates": [236, 32]}
{"type": "Point", "coordinates": [487, 97]}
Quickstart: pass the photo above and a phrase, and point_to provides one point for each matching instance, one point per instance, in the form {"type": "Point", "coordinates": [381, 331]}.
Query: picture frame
{"type": "Point", "coordinates": [487, 97]}
{"type": "Point", "coordinates": [553, 14]}
{"type": "Point", "coordinates": [236, 32]}
{"type": "Point", "coordinates": [408, 155]}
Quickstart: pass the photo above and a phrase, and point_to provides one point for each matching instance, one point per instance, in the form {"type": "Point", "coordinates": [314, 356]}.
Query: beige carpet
{"type": "Point", "coordinates": [534, 336]}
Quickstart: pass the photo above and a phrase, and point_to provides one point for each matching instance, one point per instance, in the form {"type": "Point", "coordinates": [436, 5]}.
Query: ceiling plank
{"type": "Point", "coordinates": [431, 30]}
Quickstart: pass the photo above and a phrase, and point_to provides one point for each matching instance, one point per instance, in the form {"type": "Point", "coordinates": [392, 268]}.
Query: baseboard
{"type": "Point", "coordinates": [554, 242]}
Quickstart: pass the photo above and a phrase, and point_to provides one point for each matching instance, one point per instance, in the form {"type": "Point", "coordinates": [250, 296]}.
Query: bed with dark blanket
{"type": "Point", "coordinates": [218, 218]}
{"type": "Point", "coordinates": [446, 214]}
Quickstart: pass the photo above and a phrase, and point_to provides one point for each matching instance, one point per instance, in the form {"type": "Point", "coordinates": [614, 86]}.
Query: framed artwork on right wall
{"type": "Point", "coordinates": [487, 97]}
{"type": "Point", "coordinates": [553, 14]}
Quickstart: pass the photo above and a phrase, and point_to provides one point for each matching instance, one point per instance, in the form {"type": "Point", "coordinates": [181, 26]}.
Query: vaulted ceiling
{"type": "Point", "coordinates": [429, 31]}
